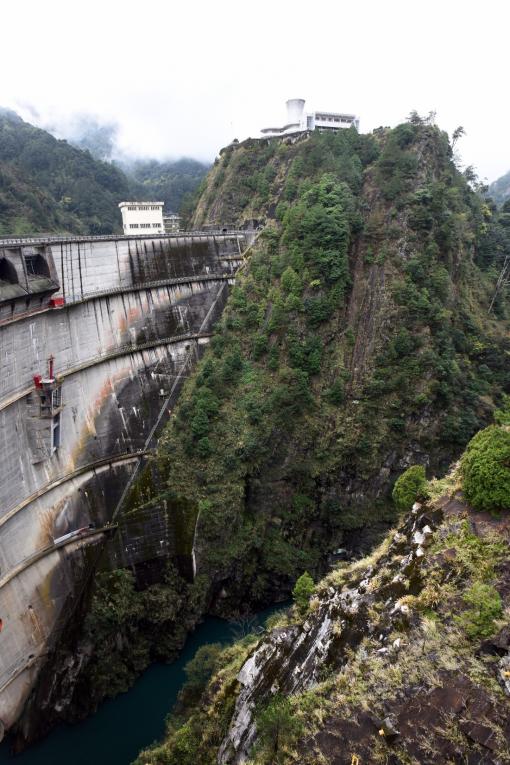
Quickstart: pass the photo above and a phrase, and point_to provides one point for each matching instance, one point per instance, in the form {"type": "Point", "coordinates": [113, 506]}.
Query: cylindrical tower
{"type": "Point", "coordinates": [295, 108]}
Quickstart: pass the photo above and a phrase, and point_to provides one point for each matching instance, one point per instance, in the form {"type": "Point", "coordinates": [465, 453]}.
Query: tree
{"type": "Point", "coordinates": [415, 119]}
{"type": "Point", "coordinates": [302, 592]}
{"type": "Point", "coordinates": [276, 726]}
{"type": "Point", "coordinates": [457, 133]}
{"type": "Point", "coordinates": [470, 175]}
{"type": "Point", "coordinates": [200, 669]}
{"type": "Point", "coordinates": [485, 469]}
{"type": "Point", "coordinates": [409, 487]}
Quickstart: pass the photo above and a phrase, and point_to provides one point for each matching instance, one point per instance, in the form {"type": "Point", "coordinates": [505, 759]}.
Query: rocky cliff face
{"type": "Point", "coordinates": [402, 657]}
{"type": "Point", "coordinates": [358, 341]}
{"type": "Point", "coordinates": [371, 620]}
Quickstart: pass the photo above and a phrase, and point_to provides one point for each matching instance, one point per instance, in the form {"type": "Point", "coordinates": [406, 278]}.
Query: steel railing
{"type": "Point", "coordinates": [56, 239]}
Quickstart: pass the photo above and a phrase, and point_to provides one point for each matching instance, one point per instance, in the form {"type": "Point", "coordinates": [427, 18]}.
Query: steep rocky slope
{"type": "Point", "coordinates": [357, 341]}
{"type": "Point", "coordinates": [402, 657]}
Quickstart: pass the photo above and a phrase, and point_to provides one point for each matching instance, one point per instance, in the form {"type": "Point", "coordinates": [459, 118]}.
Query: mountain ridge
{"type": "Point", "coordinates": [50, 185]}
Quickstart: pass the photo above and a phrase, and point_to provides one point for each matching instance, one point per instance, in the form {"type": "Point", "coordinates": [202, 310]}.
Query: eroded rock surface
{"type": "Point", "coordinates": [292, 659]}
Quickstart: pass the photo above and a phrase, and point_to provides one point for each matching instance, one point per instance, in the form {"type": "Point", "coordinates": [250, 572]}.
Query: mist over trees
{"type": "Point", "coordinates": [169, 182]}
{"type": "Point", "coordinates": [165, 180]}
{"type": "Point", "coordinates": [86, 133]}
{"type": "Point", "coordinates": [46, 185]}
{"type": "Point", "coordinates": [55, 185]}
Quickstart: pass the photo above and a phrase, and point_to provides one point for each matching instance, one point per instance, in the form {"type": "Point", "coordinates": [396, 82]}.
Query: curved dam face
{"type": "Point", "coordinates": [96, 337]}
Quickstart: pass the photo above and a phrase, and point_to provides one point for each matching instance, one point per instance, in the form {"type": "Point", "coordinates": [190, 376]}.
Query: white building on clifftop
{"type": "Point", "coordinates": [299, 121]}
{"type": "Point", "coordinates": [142, 217]}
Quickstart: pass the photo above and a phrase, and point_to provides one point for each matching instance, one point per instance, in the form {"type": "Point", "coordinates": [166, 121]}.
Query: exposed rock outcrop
{"type": "Point", "coordinates": [292, 659]}
{"type": "Point", "coordinates": [374, 623]}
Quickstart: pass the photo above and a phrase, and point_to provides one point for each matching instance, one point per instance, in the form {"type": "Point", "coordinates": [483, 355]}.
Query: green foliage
{"type": "Point", "coordinates": [200, 669]}
{"type": "Point", "coordinates": [485, 607]}
{"type": "Point", "coordinates": [502, 415]}
{"type": "Point", "coordinates": [252, 181]}
{"type": "Point", "coordinates": [277, 727]}
{"type": "Point", "coordinates": [476, 557]}
{"type": "Point", "coordinates": [169, 182]}
{"type": "Point", "coordinates": [303, 591]}
{"type": "Point", "coordinates": [291, 283]}
{"type": "Point", "coordinates": [409, 487]}
{"type": "Point", "coordinates": [485, 469]}
{"type": "Point", "coordinates": [47, 185]}
{"type": "Point", "coordinates": [493, 242]}
{"type": "Point", "coordinates": [129, 628]}
{"type": "Point", "coordinates": [318, 227]}
{"type": "Point", "coordinates": [185, 746]}
{"type": "Point", "coordinates": [315, 385]}
{"type": "Point", "coordinates": [397, 164]}
{"type": "Point", "coordinates": [336, 393]}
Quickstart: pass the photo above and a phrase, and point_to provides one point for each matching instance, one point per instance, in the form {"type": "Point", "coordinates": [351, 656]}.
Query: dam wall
{"type": "Point", "coordinates": [96, 339]}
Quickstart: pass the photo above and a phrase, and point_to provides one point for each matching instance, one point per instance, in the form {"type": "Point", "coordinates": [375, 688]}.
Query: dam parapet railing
{"type": "Point", "coordinates": [7, 242]}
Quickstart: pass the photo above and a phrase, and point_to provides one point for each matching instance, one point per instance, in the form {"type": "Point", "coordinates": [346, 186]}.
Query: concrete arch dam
{"type": "Point", "coordinates": [96, 337]}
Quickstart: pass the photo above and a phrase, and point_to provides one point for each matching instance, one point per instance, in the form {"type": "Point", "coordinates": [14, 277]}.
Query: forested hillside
{"type": "Point", "coordinates": [171, 182]}
{"type": "Point", "coordinates": [46, 185]}
{"type": "Point", "coordinates": [357, 341]}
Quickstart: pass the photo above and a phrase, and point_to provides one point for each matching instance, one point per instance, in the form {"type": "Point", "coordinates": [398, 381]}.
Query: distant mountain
{"type": "Point", "coordinates": [47, 185]}
{"type": "Point", "coordinates": [500, 189]}
{"type": "Point", "coordinates": [166, 181]}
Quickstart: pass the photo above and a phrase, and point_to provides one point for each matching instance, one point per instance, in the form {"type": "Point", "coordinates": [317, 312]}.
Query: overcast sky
{"type": "Point", "coordinates": [185, 78]}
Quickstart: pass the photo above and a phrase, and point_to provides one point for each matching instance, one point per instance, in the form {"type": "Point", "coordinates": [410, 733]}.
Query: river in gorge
{"type": "Point", "coordinates": [123, 726]}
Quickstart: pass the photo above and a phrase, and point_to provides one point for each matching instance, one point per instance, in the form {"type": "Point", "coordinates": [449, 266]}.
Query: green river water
{"type": "Point", "coordinates": [123, 726]}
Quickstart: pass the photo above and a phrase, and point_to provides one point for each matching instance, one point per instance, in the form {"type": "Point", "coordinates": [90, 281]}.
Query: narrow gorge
{"type": "Point", "coordinates": [264, 388]}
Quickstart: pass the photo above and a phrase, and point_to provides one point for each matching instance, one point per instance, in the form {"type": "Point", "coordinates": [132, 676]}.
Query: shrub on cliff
{"type": "Point", "coordinates": [409, 487]}
{"type": "Point", "coordinates": [277, 728]}
{"type": "Point", "coordinates": [485, 607]}
{"type": "Point", "coordinates": [303, 591]}
{"type": "Point", "coordinates": [485, 469]}
{"type": "Point", "coordinates": [200, 669]}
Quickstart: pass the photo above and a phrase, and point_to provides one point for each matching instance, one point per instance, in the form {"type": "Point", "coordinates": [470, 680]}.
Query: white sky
{"type": "Point", "coordinates": [186, 77]}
